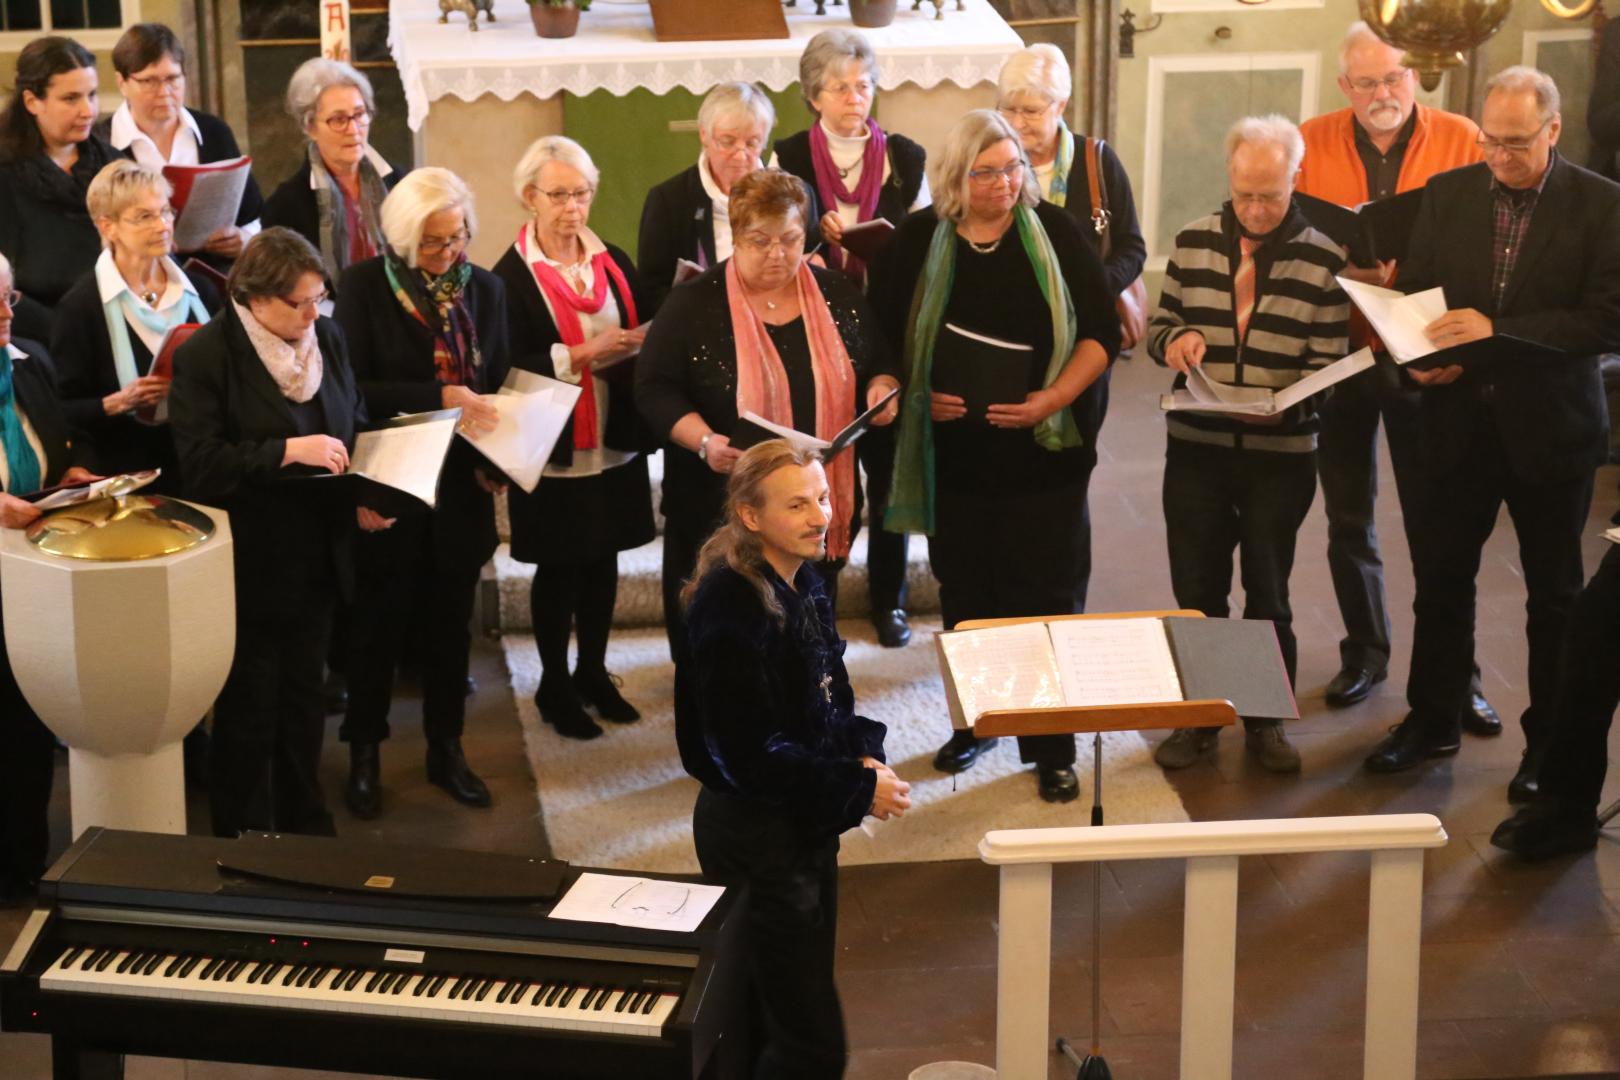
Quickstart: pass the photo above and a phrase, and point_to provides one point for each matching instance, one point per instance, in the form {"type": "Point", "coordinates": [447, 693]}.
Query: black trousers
{"type": "Point", "coordinates": [1577, 757]}
{"type": "Point", "coordinates": [1548, 518]}
{"type": "Point", "coordinates": [408, 593]}
{"type": "Point", "coordinates": [27, 767]}
{"type": "Point", "coordinates": [265, 753]}
{"type": "Point", "coordinates": [798, 1023]}
{"type": "Point", "coordinates": [885, 551]}
{"type": "Point", "coordinates": [574, 598]}
{"type": "Point", "coordinates": [1221, 499]}
{"type": "Point", "coordinates": [1009, 556]}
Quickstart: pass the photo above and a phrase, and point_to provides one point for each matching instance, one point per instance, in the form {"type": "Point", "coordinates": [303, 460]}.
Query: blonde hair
{"type": "Point", "coordinates": [559, 148]}
{"type": "Point", "coordinates": [969, 137]}
{"type": "Point", "coordinates": [734, 544]}
{"type": "Point", "coordinates": [765, 194]}
{"type": "Point", "coordinates": [1040, 70]}
{"type": "Point", "coordinates": [117, 185]}
{"type": "Point", "coordinates": [417, 197]}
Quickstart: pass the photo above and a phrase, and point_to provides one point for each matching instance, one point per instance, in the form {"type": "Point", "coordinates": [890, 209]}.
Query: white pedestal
{"type": "Point", "coordinates": [142, 792]}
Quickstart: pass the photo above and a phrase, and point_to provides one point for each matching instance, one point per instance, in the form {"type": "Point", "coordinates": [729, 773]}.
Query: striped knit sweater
{"type": "Point", "coordinates": [1300, 323]}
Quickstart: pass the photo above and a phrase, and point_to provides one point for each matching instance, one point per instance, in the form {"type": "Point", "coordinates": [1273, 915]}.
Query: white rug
{"type": "Point", "coordinates": [624, 801]}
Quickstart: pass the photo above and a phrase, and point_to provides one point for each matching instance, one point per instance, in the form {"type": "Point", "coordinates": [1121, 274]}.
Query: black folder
{"type": "Point", "coordinates": [1372, 232]}
{"type": "Point", "coordinates": [1486, 351]}
{"type": "Point", "coordinates": [980, 369]}
{"type": "Point", "coordinates": [748, 434]}
{"type": "Point", "coordinates": [1236, 660]}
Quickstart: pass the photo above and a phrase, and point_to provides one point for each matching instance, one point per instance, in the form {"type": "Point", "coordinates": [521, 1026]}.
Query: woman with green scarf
{"type": "Point", "coordinates": [999, 487]}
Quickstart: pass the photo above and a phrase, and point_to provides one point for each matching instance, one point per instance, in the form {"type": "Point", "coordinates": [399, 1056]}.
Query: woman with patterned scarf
{"type": "Point", "coordinates": [998, 491]}
{"type": "Point", "coordinates": [426, 330]}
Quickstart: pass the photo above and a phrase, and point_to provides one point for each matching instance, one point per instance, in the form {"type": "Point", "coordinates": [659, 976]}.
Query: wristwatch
{"type": "Point", "coordinates": [703, 447]}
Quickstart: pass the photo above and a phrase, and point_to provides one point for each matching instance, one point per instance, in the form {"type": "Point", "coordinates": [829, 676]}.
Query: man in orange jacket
{"type": "Point", "coordinates": [1383, 144]}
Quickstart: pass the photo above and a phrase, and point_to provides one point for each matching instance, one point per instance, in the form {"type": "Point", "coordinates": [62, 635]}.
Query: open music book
{"type": "Point", "coordinates": [206, 198]}
{"type": "Point", "coordinates": [1125, 661]}
{"type": "Point", "coordinates": [406, 454]}
{"type": "Point", "coordinates": [534, 410]}
{"type": "Point", "coordinates": [1372, 232]}
{"type": "Point", "coordinates": [753, 429]}
{"type": "Point", "coordinates": [54, 498]}
{"type": "Point", "coordinates": [1204, 394]}
{"type": "Point", "coordinates": [1399, 319]}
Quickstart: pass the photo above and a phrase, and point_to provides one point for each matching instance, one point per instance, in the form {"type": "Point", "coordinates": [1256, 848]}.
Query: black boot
{"type": "Point", "coordinates": [364, 793]}
{"type": "Point", "coordinates": [560, 707]}
{"type": "Point", "coordinates": [447, 767]}
{"type": "Point", "coordinates": [600, 689]}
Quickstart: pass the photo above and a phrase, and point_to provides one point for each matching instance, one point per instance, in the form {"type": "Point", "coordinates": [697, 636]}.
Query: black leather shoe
{"type": "Point", "coordinates": [1526, 782]}
{"type": "Point", "coordinates": [1480, 719]}
{"type": "Point", "coordinates": [335, 693]}
{"type": "Point", "coordinates": [1408, 744]}
{"type": "Point", "coordinates": [892, 629]}
{"type": "Point", "coordinates": [600, 689]}
{"type": "Point", "coordinates": [447, 767]}
{"type": "Point", "coordinates": [960, 752]}
{"type": "Point", "coordinates": [1058, 784]}
{"type": "Point", "coordinates": [560, 707]}
{"type": "Point", "coordinates": [364, 793]}
{"type": "Point", "coordinates": [1352, 684]}
{"type": "Point", "coordinates": [1545, 829]}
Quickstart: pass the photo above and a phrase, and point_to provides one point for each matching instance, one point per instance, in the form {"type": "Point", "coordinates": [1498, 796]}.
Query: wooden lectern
{"type": "Point", "coordinates": [709, 20]}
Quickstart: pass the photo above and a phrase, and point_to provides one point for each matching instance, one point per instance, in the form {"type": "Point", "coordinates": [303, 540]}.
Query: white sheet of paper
{"type": "Point", "coordinates": [677, 906]}
{"type": "Point", "coordinates": [1114, 661]}
{"type": "Point", "coordinates": [406, 456]}
{"type": "Point", "coordinates": [530, 424]}
{"type": "Point", "coordinates": [1612, 535]}
{"type": "Point", "coordinates": [1399, 319]}
{"type": "Point", "coordinates": [212, 204]}
{"type": "Point", "coordinates": [1002, 667]}
{"type": "Point", "coordinates": [107, 485]}
{"type": "Point", "coordinates": [796, 439]}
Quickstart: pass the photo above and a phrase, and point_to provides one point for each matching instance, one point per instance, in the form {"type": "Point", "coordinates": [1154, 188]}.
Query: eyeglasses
{"type": "Point", "coordinates": [1030, 113]}
{"type": "Point", "coordinates": [341, 122]}
{"type": "Point", "coordinates": [153, 83]}
{"type": "Point", "coordinates": [991, 177]}
{"type": "Point", "coordinates": [1391, 82]}
{"type": "Point", "coordinates": [562, 196]}
{"type": "Point", "coordinates": [432, 245]}
{"type": "Point", "coordinates": [312, 304]}
{"type": "Point", "coordinates": [1521, 145]}
{"type": "Point", "coordinates": [728, 144]}
{"type": "Point", "coordinates": [861, 90]}
{"type": "Point", "coordinates": [11, 298]}
{"type": "Point", "coordinates": [148, 218]}
{"type": "Point", "coordinates": [766, 245]}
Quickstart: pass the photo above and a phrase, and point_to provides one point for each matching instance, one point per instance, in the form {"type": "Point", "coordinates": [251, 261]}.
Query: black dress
{"type": "Point", "coordinates": [45, 227]}
{"type": "Point", "coordinates": [421, 574]}
{"type": "Point", "coordinates": [88, 373]}
{"type": "Point", "coordinates": [292, 536]}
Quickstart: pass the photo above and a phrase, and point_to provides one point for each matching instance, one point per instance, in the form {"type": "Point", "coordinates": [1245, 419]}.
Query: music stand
{"type": "Point", "coordinates": [1097, 719]}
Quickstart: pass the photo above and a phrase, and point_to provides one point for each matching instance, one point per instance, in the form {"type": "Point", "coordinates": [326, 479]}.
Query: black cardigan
{"type": "Point", "coordinates": [689, 364]}
{"type": "Point", "coordinates": [33, 381]}
{"type": "Point", "coordinates": [764, 710]}
{"type": "Point", "coordinates": [218, 144]}
{"type": "Point", "coordinates": [392, 357]}
{"type": "Point", "coordinates": [84, 363]}
{"type": "Point", "coordinates": [47, 234]}
{"type": "Point", "coordinates": [292, 205]}
{"type": "Point", "coordinates": [907, 161]}
{"type": "Point", "coordinates": [231, 425]}
{"type": "Point", "coordinates": [1127, 250]}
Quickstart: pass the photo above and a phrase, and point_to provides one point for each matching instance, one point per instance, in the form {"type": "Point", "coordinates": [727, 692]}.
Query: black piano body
{"type": "Point", "coordinates": [362, 981]}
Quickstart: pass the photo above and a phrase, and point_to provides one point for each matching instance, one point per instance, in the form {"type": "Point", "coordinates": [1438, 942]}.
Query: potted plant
{"type": "Point", "coordinates": [557, 18]}
{"type": "Point", "coordinates": [871, 13]}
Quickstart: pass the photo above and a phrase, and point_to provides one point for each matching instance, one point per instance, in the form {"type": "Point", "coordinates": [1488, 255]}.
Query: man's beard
{"type": "Point", "coordinates": [1385, 118]}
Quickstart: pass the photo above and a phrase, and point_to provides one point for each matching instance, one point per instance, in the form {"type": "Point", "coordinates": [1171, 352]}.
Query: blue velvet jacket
{"type": "Point", "coordinates": [764, 710]}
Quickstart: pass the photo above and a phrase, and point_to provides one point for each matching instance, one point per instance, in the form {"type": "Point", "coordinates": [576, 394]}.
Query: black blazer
{"type": "Point", "coordinates": [33, 380]}
{"type": "Point", "coordinates": [84, 364]}
{"type": "Point", "coordinates": [292, 205]}
{"type": "Point", "coordinates": [907, 161]}
{"type": "Point", "coordinates": [1127, 251]}
{"type": "Point", "coordinates": [231, 426]}
{"type": "Point", "coordinates": [45, 230]}
{"type": "Point", "coordinates": [533, 333]}
{"type": "Point", "coordinates": [392, 357]}
{"type": "Point", "coordinates": [1564, 292]}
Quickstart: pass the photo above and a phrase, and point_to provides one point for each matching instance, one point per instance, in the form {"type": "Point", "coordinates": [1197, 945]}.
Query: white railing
{"type": "Point", "coordinates": [1209, 944]}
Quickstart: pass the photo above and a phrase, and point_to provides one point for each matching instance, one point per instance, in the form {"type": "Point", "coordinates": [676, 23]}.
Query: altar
{"type": "Point", "coordinates": [476, 100]}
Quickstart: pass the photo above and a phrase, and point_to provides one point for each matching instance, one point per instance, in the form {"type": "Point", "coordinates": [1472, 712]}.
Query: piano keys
{"type": "Point", "coordinates": [143, 944]}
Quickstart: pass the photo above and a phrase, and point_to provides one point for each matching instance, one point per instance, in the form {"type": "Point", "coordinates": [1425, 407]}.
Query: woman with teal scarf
{"type": "Point", "coordinates": [111, 324]}
{"type": "Point", "coordinates": [1000, 490]}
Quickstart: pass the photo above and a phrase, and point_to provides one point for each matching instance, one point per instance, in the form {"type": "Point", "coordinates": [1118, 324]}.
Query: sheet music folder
{"type": "Point", "coordinates": [982, 370]}
{"type": "Point", "coordinates": [1372, 232]}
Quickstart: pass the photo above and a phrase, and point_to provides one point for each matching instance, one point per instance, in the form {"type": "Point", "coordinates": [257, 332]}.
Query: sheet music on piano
{"type": "Point", "coordinates": [678, 906]}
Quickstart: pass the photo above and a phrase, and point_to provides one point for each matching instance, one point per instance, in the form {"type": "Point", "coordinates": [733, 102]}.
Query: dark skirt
{"type": "Point", "coordinates": [568, 520]}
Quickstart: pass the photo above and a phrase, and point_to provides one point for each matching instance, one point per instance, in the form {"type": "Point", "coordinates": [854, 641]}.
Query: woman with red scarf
{"type": "Point", "coordinates": [426, 330]}
{"type": "Point", "coordinates": [574, 313]}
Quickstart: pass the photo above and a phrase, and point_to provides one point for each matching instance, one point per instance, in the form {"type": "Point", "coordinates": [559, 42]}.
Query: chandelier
{"type": "Point", "coordinates": [1436, 33]}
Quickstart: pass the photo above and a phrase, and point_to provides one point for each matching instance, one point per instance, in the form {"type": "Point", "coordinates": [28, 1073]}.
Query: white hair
{"type": "Point", "coordinates": [1039, 70]}
{"type": "Point", "coordinates": [832, 48]}
{"type": "Point", "coordinates": [558, 148]}
{"type": "Point", "coordinates": [969, 137]}
{"type": "Point", "coordinates": [315, 77]}
{"type": "Point", "coordinates": [5, 267]}
{"type": "Point", "coordinates": [419, 195]}
{"type": "Point", "coordinates": [1274, 130]}
{"type": "Point", "coordinates": [1521, 77]}
{"type": "Point", "coordinates": [1357, 35]}
{"type": "Point", "coordinates": [730, 100]}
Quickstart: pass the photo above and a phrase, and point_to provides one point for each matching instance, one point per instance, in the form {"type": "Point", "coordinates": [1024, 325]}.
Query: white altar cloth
{"type": "Point", "coordinates": [615, 50]}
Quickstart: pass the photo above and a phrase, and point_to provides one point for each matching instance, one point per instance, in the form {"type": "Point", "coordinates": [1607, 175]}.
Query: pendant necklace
{"type": "Point", "coordinates": [985, 249]}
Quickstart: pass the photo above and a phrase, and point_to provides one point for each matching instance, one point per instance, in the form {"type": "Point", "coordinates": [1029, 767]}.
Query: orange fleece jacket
{"type": "Point", "coordinates": [1332, 169]}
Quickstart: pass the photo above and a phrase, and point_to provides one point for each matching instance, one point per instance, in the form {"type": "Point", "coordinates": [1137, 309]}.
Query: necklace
{"type": "Point", "coordinates": [770, 305]}
{"type": "Point", "coordinates": [151, 299]}
{"type": "Point", "coordinates": [985, 249]}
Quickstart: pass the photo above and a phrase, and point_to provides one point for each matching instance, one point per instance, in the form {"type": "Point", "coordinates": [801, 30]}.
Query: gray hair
{"type": "Point", "coordinates": [315, 77]}
{"type": "Point", "coordinates": [271, 265]}
{"type": "Point", "coordinates": [559, 148]}
{"type": "Point", "coordinates": [417, 197]}
{"type": "Point", "coordinates": [1040, 70]}
{"type": "Point", "coordinates": [969, 137]}
{"type": "Point", "coordinates": [5, 266]}
{"type": "Point", "coordinates": [1522, 77]}
{"type": "Point", "coordinates": [828, 49]}
{"type": "Point", "coordinates": [731, 99]}
{"type": "Point", "coordinates": [1275, 130]}
{"type": "Point", "coordinates": [1358, 34]}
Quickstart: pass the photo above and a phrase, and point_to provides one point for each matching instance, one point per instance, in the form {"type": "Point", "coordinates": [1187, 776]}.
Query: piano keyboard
{"type": "Point", "coordinates": [558, 1004]}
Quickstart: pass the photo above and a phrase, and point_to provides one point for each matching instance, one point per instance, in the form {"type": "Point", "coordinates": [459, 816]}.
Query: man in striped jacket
{"type": "Point", "coordinates": [1249, 297]}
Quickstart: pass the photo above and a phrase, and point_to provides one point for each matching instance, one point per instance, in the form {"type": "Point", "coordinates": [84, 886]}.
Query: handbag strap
{"type": "Point", "coordinates": [1100, 215]}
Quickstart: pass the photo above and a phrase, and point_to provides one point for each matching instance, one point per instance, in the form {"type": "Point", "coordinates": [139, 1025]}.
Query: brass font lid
{"type": "Point", "coordinates": [122, 528]}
